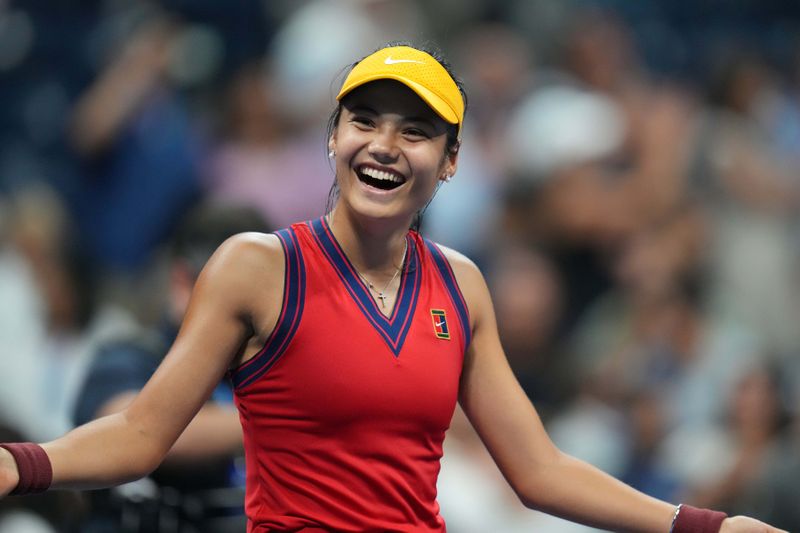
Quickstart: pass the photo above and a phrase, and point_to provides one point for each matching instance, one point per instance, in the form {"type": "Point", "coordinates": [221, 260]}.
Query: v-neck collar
{"type": "Point", "coordinates": [393, 328]}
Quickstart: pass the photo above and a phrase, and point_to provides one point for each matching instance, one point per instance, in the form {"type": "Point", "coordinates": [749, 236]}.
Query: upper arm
{"type": "Point", "coordinates": [490, 394]}
{"type": "Point", "coordinates": [236, 298]}
{"type": "Point", "coordinates": [236, 293]}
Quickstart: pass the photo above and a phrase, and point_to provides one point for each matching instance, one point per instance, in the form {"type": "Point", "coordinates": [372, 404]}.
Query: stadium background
{"type": "Point", "coordinates": [629, 183]}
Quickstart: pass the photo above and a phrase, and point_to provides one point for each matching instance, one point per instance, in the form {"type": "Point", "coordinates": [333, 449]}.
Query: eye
{"type": "Point", "coordinates": [415, 133]}
{"type": "Point", "coordinates": [362, 121]}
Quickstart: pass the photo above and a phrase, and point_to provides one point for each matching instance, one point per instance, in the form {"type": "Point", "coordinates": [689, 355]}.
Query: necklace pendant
{"type": "Point", "coordinates": [379, 294]}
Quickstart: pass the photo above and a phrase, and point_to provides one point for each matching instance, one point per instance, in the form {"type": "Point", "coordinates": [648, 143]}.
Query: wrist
{"type": "Point", "coordinates": [688, 519]}
{"type": "Point", "coordinates": [32, 467]}
{"type": "Point", "coordinates": [9, 474]}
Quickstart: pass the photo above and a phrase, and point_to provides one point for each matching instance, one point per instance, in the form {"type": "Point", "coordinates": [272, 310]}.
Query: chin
{"type": "Point", "coordinates": [369, 210]}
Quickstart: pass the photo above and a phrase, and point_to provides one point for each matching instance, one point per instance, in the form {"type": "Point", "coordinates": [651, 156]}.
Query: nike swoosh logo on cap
{"type": "Point", "coordinates": [390, 61]}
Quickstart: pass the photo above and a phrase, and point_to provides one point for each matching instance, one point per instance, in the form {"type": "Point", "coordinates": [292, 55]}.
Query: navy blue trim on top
{"type": "Point", "coordinates": [294, 295]}
{"type": "Point", "coordinates": [392, 329]}
{"type": "Point", "coordinates": [449, 278]}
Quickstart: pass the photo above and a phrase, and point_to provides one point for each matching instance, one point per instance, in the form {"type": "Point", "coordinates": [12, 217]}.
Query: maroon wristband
{"type": "Point", "coordinates": [35, 470]}
{"type": "Point", "coordinates": [693, 520]}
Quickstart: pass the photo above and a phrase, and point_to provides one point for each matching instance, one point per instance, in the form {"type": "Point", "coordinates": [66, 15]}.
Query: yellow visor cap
{"type": "Point", "coordinates": [416, 69]}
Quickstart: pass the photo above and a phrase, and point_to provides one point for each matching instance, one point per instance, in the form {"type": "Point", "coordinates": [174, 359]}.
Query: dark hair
{"type": "Point", "coordinates": [452, 142]}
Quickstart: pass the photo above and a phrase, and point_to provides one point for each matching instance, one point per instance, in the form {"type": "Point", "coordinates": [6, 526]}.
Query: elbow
{"type": "Point", "coordinates": [528, 489]}
{"type": "Point", "coordinates": [142, 465]}
{"type": "Point", "coordinates": [535, 488]}
{"type": "Point", "coordinates": [529, 497]}
{"type": "Point", "coordinates": [142, 459]}
{"type": "Point", "coordinates": [537, 499]}
{"type": "Point", "coordinates": [149, 464]}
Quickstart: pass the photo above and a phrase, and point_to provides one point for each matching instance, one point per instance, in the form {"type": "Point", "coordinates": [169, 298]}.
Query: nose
{"type": "Point", "coordinates": [383, 146]}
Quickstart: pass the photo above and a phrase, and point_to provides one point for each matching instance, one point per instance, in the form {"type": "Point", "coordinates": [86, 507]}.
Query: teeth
{"type": "Point", "coordinates": [381, 175]}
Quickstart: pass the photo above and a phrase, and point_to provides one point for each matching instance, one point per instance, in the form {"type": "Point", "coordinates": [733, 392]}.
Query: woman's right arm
{"type": "Point", "coordinates": [237, 297]}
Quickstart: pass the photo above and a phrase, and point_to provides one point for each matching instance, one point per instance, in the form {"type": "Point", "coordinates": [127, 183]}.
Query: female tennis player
{"type": "Point", "coordinates": [348, 340]}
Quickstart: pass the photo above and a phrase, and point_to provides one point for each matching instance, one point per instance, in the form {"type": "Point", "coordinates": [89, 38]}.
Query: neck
{"type": "Point", "coordinates": [374, 246]}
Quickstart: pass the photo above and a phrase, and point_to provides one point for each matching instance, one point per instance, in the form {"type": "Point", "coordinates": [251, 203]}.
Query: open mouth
{"type": "Point", "coordinates": [379, 179]}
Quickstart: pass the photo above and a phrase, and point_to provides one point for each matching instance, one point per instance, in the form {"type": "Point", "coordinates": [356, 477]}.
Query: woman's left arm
{"type": "Point", "coordinates": [543, 477]}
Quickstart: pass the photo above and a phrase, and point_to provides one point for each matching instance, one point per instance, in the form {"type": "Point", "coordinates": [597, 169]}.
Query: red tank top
{"type": "Point", "coordinates": [344, 410]}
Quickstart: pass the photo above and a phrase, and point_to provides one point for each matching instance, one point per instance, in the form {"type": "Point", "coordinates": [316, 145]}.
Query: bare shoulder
{"type": "Point", "coordinates": [470, 280]}
{"type": "Point", "coordinates": [463, 267]}
{"type": "Point", "coordinates": [252, 250]}
{"type": "Point", "coordinates": [244, 267]}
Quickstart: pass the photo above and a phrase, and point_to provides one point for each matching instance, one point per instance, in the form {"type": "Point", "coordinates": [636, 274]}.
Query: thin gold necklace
{"type": "Point", "coordinates": [381, 294]}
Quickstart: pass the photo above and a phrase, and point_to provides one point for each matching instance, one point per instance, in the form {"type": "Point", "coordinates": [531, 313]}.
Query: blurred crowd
{"type": "Point", "coordinates": [629, 183]}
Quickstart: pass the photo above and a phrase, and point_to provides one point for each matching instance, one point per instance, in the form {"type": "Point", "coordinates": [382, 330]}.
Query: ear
{"type": "Point", "coordinates": [332, 143]}
{"type": "Point", "coordinates": [451, 162]}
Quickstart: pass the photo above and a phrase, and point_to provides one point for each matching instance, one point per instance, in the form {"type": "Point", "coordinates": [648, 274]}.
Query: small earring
{"type": "Point", "coordinates": [332, 154]}
{"type": "Point", "coordinates": [447, 178]}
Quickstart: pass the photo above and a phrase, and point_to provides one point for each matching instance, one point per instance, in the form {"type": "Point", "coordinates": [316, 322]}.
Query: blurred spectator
{"type": "Point", "coordinates": [259, 148]}
{"type": "Point", "coordinates": [528, 300]}
{"type": "Point", "coordinates": [596, 150]}
{"type": "Point", "coordinates": [756, 464]}
{"type": "Point", "coordinates": [655, 330]}
{"type": "Point", "coordinates": [647, 428]}
{"type": "Point", "coordinates": [20, 325]}
{"type": "Point", "coordinates": [647, 268]}
{"type": "Point", "coordinates": [752, 194]}
{"type": "Point", "coordinates": [59, 320]}
{"type": "Point", "coordinates": [498, 66]}
{"type": "Point", "coordinates": [200, 486]}
{"type": "Point", "coordinates": [140, 148]}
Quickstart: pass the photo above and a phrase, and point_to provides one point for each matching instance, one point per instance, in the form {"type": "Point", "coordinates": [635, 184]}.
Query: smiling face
{"type": "Point", "coordinates": [390, 151]}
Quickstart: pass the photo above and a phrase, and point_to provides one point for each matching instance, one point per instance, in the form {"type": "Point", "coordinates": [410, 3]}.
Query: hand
{"type": "Point", "coordinates": [745, 524]}
{"type": "Point", "coordinates": [9, 475]}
